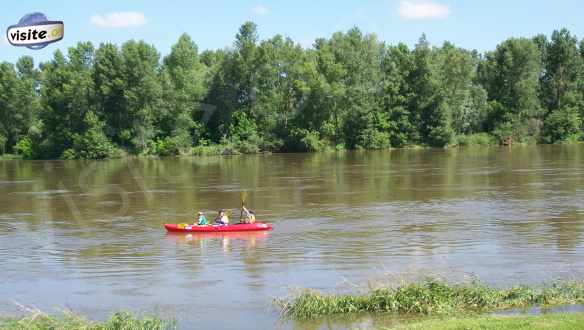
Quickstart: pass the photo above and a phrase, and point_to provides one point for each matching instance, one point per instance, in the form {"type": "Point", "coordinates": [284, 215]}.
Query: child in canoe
{"type": "Point", "coordinates": [222, 218]}
{"type": "Point", "coordinates": [202, 220]}
{"type": "Point", "coordinates": [248, 216]}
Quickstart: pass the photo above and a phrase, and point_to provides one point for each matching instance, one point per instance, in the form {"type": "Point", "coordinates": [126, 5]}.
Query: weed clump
{"type": "Point", "coordinates": [430, 297]}
{"type": "Point", "coordinates": [121, 320]}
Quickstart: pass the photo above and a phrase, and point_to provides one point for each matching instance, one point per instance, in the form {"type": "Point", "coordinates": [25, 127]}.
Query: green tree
{"type": "Point", "coordinates": [110, 84]}
{"type": "Point", "coordinates": [431, 113]}
{"type": "Point", "coordinates": [344, 91]}
{"type": "Point", "coordinates": [19, 101]}
{"type": "Point", "coordinates": [364, 124]}
{"type": "Point", "coordinates": [67, 94]}
{"type": "Point", "coordinates": [563, 71]}
{"type": "Point", "coordinates": [182, 81]}
{"type": "Point", "coordinates": [281, 83]}
{"type": "Point", "coordinates": [91, 143]}
{"type": "Point", "coordinates": [396, 66]}
{"type": "Point", "coordinates": [511, 75]}
{"type": "Point", "coordinates": [466, 99]}
{"type": "Point", "coordinates": [142, 94]}
{"type": "Point", "coordinates": [349, 90]}
{"type": "Point", "coordinates": [9, 123]}
{"type": "Point", "coordinates": [234, 87]}
{"type": "Point", "coordinates": [561, 125]}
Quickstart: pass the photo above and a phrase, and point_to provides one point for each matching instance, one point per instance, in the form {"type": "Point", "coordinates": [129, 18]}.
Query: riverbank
{"type": "Point", "coordinates": [122, 320]}
{"type": "Point", "coordinates": [533, 322]}
{"type": "Point", "coordinates": [230, 149]}
{"type": "Point", "coordinates": [431, 297]}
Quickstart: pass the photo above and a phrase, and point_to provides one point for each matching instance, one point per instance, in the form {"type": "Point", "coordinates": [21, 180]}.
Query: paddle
{"type": "Point", "coordinates": [242, 196]}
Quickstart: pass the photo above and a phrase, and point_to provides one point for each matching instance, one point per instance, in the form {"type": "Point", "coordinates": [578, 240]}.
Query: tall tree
{"type": "Point", "coordinates": [396, 66]}
{"type": "Point", "coordinates": [563, 71]}
{"type": "Point", "coordinates": [511, 75]}
{"type": "Point", "coordinates": [109, 80]}
{"type": "Point", "coordinates": [18, 101]}
{"type": "Point", "coordinates": [281, 88]}
{"type": "Point", "coordinates": [9, 123]}
{"type": "Point", "coordinates": [142, 91]}
{"type": "Point", "coordinates": [182, 77]}
{"type": "Point", "coordinates": [460, 89]}
{"type": "Point", "coordinates": [430, 112]}
{"type": "Point", "coordinates": [234, 86]}
{"type": "Point", "coordinates": [67, 95]}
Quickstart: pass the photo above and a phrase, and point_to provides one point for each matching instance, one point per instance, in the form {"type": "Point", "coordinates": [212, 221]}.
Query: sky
{"type": "Point", "coordinates": [470, 24]}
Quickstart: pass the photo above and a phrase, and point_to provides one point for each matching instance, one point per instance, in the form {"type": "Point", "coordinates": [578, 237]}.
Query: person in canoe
{"type": "Point", "coordinates": [222, 218]}
{"type": "Point", "coordinates": [248, 216]}
{"type": "Point", "coordinates": [202, 220]}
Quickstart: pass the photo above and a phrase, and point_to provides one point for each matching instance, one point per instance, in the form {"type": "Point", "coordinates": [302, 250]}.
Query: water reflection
{"type": "Point", "coordinates": [249, 239]}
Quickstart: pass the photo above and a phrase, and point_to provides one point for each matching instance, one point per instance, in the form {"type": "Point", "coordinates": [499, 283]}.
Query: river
{"type": "Point", "coordinates": [88, 235]}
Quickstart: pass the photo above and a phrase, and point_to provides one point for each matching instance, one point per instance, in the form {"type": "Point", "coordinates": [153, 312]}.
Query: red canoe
{"type": "Point", "coordinates": [178, 228]}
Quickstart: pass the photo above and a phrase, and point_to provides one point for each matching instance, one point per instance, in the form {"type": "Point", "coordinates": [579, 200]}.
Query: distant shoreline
{"type": "Point", "coordinates": [216, 150]}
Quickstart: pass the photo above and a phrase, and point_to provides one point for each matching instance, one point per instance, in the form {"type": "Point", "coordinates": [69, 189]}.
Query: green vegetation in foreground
{"type": "Point", "coordinates": [431, 297]}
{"type": "Point", "coordinates": [350, 90]}
{"type": "Point", "coordinates": [118, 321]}
{"type": "Point", "coordinates": [547, 321]}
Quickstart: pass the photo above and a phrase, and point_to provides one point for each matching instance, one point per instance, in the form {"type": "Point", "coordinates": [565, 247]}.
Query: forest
{"type": "Point", "coordinates": [349, 91]}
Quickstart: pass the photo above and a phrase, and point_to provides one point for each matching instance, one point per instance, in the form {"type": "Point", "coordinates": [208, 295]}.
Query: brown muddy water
{"type": "Point", "coordinates": [88, 235]}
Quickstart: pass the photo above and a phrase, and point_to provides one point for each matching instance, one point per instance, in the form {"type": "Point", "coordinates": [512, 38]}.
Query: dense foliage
{"type": "Point", "coordinates": [431, 297]}
{"type": "Point", "coordinates": [348, 91]}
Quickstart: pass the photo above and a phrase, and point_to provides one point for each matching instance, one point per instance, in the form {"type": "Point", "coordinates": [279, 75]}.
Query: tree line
{"type": "Point", "coordinates": [349, 91]}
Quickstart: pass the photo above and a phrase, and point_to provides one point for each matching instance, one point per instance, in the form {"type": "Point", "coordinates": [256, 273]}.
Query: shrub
{"type": "Point", "coordinates": [247, 147]}
{"type": "Point", "coordinates": [304, 140]}
{"type": "Point", "coordinates": [24, 147]}
{"type": "Point", "coordinates": [243, 127]}
{"type": "Point", "coordinates": [169, 146]}
{"type": "Point", "coordinates": [69, 154]}
{"type": "Point", "coordinates": [479, 139]}
{"type": "Point", "coordinates": [91, 144]}
{"type": "Point", "coordinates": [440, 136]}
{"type": "Point", "coordinates": [205, 150]}
{"type": "Point", "coordinates": [373, 139]}
{"type": "Point", "coordinates": [504, 133]}
{"type": "Point", "coordinates": [561, 125]}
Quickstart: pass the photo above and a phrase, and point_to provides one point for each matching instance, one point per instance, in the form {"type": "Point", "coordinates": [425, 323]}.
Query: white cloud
{"type": "Point", "coordinates": [5, 40]}
{"type": "Point", "coordinates": [422, 9]}
{"type": "Point", "coordinates": [260, 10]}
{"type": "Point", "coordinates": [123, 19]}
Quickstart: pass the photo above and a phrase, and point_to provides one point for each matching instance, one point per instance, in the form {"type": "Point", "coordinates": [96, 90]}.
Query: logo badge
{"type": "Point", "coordinates": [35, 31]}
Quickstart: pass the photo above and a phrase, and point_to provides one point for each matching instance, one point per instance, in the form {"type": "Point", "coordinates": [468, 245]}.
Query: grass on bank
{"type": "Point", "coordinates": [118, 321]}
{"type": "Point", "coordinates": [430, 297]}
{"type": "Point", "coordinates": [535, 322]}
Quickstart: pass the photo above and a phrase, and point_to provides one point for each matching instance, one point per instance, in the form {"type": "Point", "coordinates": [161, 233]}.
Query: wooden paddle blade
{"type": "Point", "coordinates": [243, 196]}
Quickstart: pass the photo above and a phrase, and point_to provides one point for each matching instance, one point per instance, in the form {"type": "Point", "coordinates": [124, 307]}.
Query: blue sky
{"type": "Point", "coordinates": [470, 24]}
